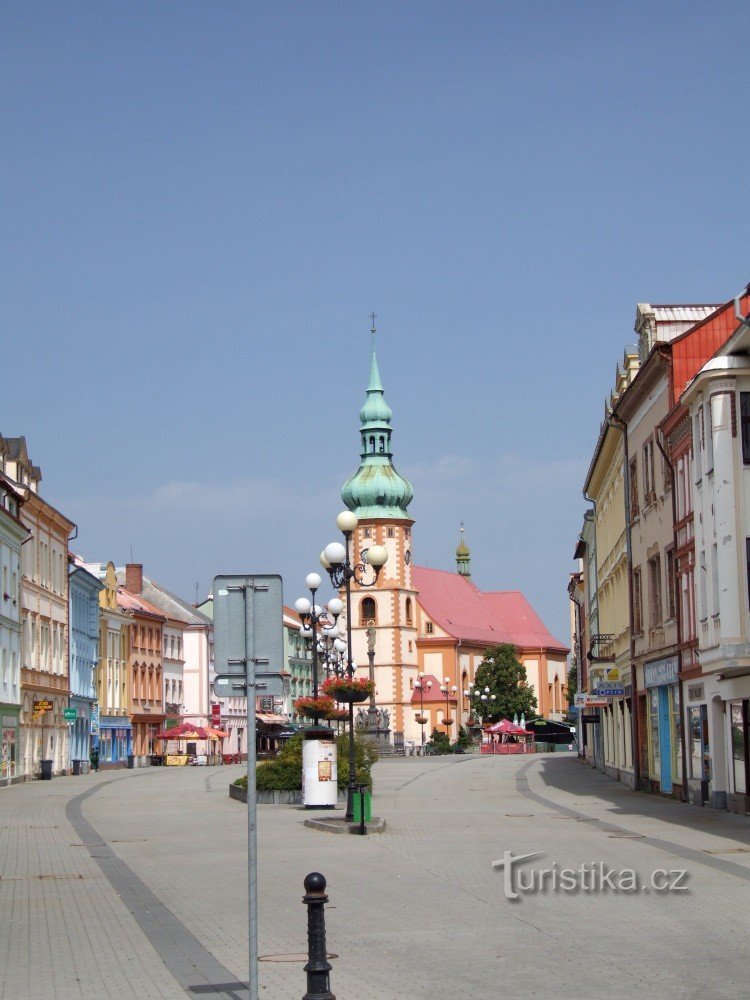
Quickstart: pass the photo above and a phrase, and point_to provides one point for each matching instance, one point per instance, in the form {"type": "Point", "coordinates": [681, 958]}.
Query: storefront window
{"type": "Point", "coordinates": [695, 743]}
{"type": "Point", "coordinates": [653, 729]}
{"type": "Point", "coordinates": [105, 745]}
{"type": "Point", "coordinates": [8, 753]}
{"type": "Point", "coordinates": [738, 717]}
{"type": "Point", "coordinates": [677, 729]}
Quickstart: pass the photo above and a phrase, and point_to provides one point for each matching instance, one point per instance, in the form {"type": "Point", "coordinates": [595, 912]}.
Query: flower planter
{"type": "Point", "coordinates": [348, 691]}
{"type": "Point", "coordinates": [421, 720]}
{"type": "Point", "coordinates": [315, 708]}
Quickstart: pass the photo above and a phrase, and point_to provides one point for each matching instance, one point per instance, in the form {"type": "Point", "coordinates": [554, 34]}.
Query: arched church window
{"type": "Point", "coordinates": [408, 611]}
{"type": "Point", "coordinates": [372, 443]}
{"type": "Point", "coordinates": [368, 611]}
{"type": "Point", "coordinates": [382, 445]}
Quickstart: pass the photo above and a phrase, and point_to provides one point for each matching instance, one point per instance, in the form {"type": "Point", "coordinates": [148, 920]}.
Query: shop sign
{"type": "Point", "coordinates": [609, 689]}
{"type": "Point", "coordinates": [95, 720]}
{"type": "Point", "coordinates": [42, 705]}
{"type": "Point", "coordinates": [70, 714]}
{"type": "Point", "coordinates": [589, 701]}
{"type": "Point", "coordinates": [696, 692]}
{"type": "Point", "coordinates": [591, 719]}
{"type": "Point", "coordinates": [660, 672]}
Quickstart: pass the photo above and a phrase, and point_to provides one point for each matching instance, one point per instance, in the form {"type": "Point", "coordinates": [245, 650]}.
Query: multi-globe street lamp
{"type": "Point", "coordinates": [312, 616]}
{"type": "Point", "coordinates": [421, 685]}
{"type": "Point", "coordinates": [485, 695]}
{"type": "Point", "coordinates": [336, 559]}
{"type": "Point", "coordinates": [448, 691]}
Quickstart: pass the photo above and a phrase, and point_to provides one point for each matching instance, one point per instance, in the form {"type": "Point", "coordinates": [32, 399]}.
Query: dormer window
{"type": "Point", "coordinates": [429, 628]}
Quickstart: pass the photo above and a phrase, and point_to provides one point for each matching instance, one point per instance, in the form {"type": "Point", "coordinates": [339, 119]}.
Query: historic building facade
{"type": "Point", "coordinates": [115, 729]}
{"type": "Point", "coordinates": [45, 685]}
{"type": "Point", "coordinates": [84, 590]}
{"type": "Point", "coordinates": [13, 534]}
{"type": "Point", "coordinates": [608, 655]}
{"type": "Point", "coordinates": [427, 621]}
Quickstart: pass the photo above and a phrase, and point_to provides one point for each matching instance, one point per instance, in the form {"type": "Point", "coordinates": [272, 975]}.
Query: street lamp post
{"type": "Point", "coordinates": [420, 684]}
{"type": "Point", "coordinates": [312, 615]}
{"type": "Point", "coordinates": [448, 691]}
{"type": "Point", "coordinates": [336, 559]}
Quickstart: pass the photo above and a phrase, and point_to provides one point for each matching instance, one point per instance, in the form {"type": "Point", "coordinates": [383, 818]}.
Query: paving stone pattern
{"type": "Point", "coordinates": [145, 888]}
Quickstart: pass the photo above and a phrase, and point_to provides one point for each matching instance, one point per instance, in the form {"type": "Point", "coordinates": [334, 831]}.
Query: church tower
{"type": "Point", "coordinates": [380, 498]}
{"type": "Point", "coordinates": [463, 557]}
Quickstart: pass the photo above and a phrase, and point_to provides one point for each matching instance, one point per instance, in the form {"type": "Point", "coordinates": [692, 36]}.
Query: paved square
{"type": "Point", "coordinates": [138, 888]}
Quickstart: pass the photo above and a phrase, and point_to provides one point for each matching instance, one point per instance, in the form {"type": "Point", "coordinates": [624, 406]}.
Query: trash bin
{"type": "Point", "coordinates": [131, 761]}
{"type": "Point", "coordinates": [76, 767]}
{"type": "Point", "coordinates": [47, 770]}
{"type": "Point", "coordinates": [358, 807]}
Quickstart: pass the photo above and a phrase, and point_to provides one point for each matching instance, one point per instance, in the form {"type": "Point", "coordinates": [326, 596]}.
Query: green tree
{"type": "Point", "coordinates": [571, 687]}
{"type": "Point", "coordinates": [502, 673]}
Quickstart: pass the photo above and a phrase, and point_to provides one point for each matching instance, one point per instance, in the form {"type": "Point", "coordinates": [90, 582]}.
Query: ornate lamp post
{"type": "Point", "coordinates": [448, 691]}
{"type": "Point", "coordinates": [336, 559]}
{"type": "Point", "coordinates": [421, 685]}
{"type": "Point", "coordinates": [313, 615]}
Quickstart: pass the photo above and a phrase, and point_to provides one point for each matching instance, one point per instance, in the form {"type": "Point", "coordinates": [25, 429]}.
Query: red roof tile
{"type": "Point", "coordinates": [465, 612]}
{"type": "Point", "coordinates": [129, 602]}
{"type": "Point", "coordinates": [433, 694]}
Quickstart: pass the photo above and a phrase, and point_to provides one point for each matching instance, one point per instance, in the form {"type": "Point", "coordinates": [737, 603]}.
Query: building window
{"type": "Point", "coordinates": [367, 533]}
{"type": "Point", "coordinates": [634, 508]}
{"type": "Point", "coordinates": [745, 426]}
{"type": "Point", "coordinates": [649, 482]}
{"type": "Point", "coordinates": [697, 451]}
{"type": "Point", "coordinates": [408, 611]}
{"type": "Point", "coordinates": [637, 602]}
{"type": "Point", "coordinates": [429, 628]}
{"type": "Point", "coordinates": [654, 586]}
{"type": "Point", "coordinates": [368, 611]}
{"type": "Point", "coordinates": [709, 439]}
{"type": "Point", "coordinates": [714, 579]}
{"type": "Point", "coordinates": [739, 725]}
{"type": "Point", "coordinates": [389, 532]}
{"type": "Point", "coordinates": [671, 586]}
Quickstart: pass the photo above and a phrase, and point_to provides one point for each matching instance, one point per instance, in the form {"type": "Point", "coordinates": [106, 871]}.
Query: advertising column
{"type": "Point", "coordinates": [319, 769]}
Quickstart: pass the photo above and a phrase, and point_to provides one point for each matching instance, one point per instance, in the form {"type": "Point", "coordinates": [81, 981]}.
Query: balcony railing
{"type": "Point", "coordinates": [601, 648]}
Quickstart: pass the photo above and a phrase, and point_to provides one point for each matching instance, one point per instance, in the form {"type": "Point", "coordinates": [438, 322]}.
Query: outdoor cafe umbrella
{"type": "Point", "coordinates": [185, 731]}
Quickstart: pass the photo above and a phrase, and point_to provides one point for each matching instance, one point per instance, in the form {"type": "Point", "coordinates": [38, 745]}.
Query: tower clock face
{"type": "Point", "coordinates": [407, 556]}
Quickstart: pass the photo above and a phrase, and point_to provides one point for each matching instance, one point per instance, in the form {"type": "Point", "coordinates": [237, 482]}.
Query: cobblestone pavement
{"type": "Point", "coordinates": [133, 884]}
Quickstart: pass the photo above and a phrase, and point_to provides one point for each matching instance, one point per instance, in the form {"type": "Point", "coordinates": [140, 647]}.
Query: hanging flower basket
{"type": "Point", "coordinates": [339, 715]}
{"type": "Point", "coordinates": [347, 690]}
{"type": "Point", "coordinates": [447, 722]}
{"type": "Point", "coordinates": [421, 720]}
{"type": "Point", "coordinates": [314, 708]}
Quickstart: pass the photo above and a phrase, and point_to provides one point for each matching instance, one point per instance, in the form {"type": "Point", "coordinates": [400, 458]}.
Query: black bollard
{"type": "Point", "coordinates": [318, 967]}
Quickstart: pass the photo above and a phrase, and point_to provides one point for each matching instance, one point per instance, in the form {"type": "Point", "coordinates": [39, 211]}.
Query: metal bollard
{"type": "Point", "coordinates": [362, 825]}
{"type": "Point", "coordinates": [318, 967]}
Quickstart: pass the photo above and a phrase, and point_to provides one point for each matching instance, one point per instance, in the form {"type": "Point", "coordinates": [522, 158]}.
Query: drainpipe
{"type": "Point", "coordinates": [581, 730]}
{"type": "Point", "coordinates": [620, 424]}
{"type": "Point", "coordinates": [677, 611]}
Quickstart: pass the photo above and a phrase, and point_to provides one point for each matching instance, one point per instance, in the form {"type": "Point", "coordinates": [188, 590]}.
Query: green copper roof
{"type": "Point", "coordinates": [376, 490]}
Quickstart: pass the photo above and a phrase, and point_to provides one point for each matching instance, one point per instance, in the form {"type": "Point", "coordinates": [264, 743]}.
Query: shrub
{"type": "Point", "coordinates": [285, 771]}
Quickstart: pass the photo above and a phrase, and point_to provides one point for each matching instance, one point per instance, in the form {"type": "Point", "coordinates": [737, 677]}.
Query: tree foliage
{"type": "Point", "coordinates": [285, 771]}
{"type": "Point", "coordinates": [571, 686]}
{"type": "Point", "coordinates": [505, 676]}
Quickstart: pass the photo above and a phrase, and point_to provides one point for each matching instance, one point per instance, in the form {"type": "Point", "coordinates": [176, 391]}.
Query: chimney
{"type": "Point", "coordinates": [134, 577]}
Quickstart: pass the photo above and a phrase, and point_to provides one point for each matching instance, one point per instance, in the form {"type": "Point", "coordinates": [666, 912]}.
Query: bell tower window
{"type": "Point", "coordinates": [368, 611]}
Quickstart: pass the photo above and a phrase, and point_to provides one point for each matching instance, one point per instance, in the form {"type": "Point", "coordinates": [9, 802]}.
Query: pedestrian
{"type": "Point", "coordinates": [94, 758]}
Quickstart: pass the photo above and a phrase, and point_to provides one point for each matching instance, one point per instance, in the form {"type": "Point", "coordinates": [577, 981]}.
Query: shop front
{"type": "Point", "coordinates": [735, 692]}
{"type": "Point", "coordinates": [80, 733]}
{"type": "Point", "coordinates": [663, 725]}
{"type": "Point", "coordinates": [115, 741]}
{"type": "Point", "coordinates": [9, 744]}
{"type": "Point", "coordinates": [147, 747]}
{"type": "Point", "coordinates": [704, 721]}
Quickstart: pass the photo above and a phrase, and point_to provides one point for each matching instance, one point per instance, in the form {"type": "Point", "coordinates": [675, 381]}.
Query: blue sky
{"type": "Point", "coordinates": [202, 203]}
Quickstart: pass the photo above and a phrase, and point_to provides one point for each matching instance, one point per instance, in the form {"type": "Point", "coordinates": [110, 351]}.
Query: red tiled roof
{"type": "Point", "coordinates": [129, 602]}
{"type": "Point", "coordinates": [465, 612]}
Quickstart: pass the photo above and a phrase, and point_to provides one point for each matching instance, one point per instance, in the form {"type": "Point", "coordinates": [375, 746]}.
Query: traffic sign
{"type": "Point", "coordinates": [248, 613]}
{"type": "Point", "coordinates": [234, 687]}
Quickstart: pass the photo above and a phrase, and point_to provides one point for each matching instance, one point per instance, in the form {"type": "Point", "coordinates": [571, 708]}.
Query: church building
{"type": "Point", "coordinates": [430, 622]}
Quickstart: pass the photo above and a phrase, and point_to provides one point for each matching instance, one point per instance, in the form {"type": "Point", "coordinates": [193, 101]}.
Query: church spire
{"type": "Point", "coordinates": [376, 490]}
{"type": "Point", "coordinates": [463, 556]}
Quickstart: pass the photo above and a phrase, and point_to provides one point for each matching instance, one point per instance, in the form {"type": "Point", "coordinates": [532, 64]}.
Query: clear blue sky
{"type": "Point", "coordinates": [202, 203]}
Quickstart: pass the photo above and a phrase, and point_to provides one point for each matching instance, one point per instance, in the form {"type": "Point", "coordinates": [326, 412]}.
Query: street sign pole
{"type": "Point", "coordinates": [248, 634]}
{"type": "Point", "coordinates": [252, 807]}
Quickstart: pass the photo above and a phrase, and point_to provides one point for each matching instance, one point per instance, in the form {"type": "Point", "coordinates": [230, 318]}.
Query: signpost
{"type": "Point", "coordinates": [249, 658]}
